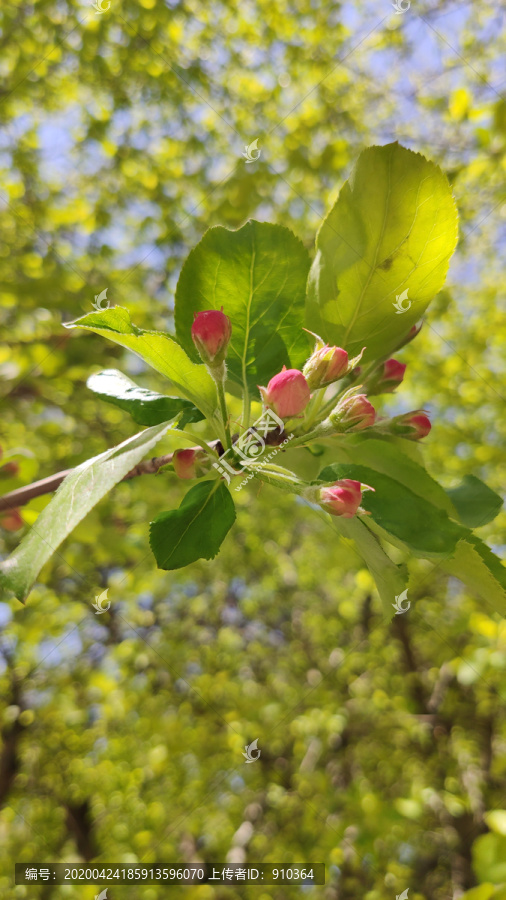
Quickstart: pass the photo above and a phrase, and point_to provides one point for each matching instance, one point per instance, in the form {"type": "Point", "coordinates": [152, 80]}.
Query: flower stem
{"type": "Point", "coordinates": [278, 481]}
{"type": "Point", "coordinates": [306, 438]}
{"type": "Point", "coordinates": [224, 412]}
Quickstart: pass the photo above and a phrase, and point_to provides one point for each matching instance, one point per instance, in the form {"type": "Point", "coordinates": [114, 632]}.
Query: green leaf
{"type": "Point", "coordinates": [190, 414]}
{"type": "Point", "coordinates": [390, 579]}
{"type": "Point", "coordinates": [160, 351]}
{"type": "Point", "coordinates": [388, 458]}
{"type": "Point", "coordinates": [146, 407]}
{"type": "Point", "coordinates": [258, 275]}
{"type": "Point", "coordinates": [75, 497]}
{"type": "Point", "coordinates": [194, 531]}
{"type": "Point", "coordinates": [424, 528]}
{"type": "Point", "coordinates": [489, 858]}
{"type": "Point", "coordinates": [496, 820]}
{"type": "Point", "coordinates": [483, 892]}
{"type": "Point", "coordinates": [475, 502]}
{"type": "Point", "coordinates": [392, 229]}
{"type": "Point", "coordinates": [474, 563]}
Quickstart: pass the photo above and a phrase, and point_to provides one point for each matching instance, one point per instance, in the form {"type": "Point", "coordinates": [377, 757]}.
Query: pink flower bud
{"type": "Point", "coordinates": [353, 414]}
{"type": "Point", "coordinates": [412, 333]}
{"type": "Point", "coordinates": [190, 463]}
{"type": "Point", "coordinates": [11, 520]}
{"type": "Point", "coordinates": [211, 333]}
{"type": "Point", "coordinates": [412, 425]}
{"type": "Point", "coordinates": [343, 498]}
{"type": "Point", "coordinates": [287, 393]}
{"type": "Point", "coordinates": [9, 469]}
{"type": "Point", "coordinates": [388, 378]}
{"type": "Point", "coordinates": [393, 370]}
{"type": "Point", "coordinates": [325, 365]}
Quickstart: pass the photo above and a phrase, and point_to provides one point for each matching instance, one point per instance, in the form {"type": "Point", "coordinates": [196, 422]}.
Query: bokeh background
{"type": "Point", "coordinates": [383, 746]}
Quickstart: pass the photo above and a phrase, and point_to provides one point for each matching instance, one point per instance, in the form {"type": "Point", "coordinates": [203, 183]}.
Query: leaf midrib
{"type": "Point", "coordinates": [248, 313]}
{"type": "Point", "coordinates": [372, 269]}
{"type": "Point", "coordinates": [190, 523]}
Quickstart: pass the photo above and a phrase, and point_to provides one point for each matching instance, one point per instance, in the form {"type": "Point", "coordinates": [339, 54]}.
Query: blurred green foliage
{"type": "Point", "coordinates": [383, 746]}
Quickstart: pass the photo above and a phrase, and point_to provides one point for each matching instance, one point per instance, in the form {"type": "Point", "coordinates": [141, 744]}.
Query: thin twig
{"type": "Point", "coordinates": [23, 495]}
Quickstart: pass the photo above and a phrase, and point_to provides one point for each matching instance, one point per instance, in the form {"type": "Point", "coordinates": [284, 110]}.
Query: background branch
{"type": "Point", "coordinates": [22, 496]}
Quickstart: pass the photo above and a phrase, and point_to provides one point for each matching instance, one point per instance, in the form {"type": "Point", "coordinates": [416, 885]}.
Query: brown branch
{"type": "Point", "coordinates": [401, 631]}
{"type": "Point", "coordinates": [10, 734]}
{"type": "Point", "coordinates": [23, 495]}
{"type": "Point", "coordinates": [78, 820]}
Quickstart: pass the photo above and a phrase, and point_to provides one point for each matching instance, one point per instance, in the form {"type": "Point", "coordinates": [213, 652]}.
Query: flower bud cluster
{"type": "Point", "coordinates": [293, 394]}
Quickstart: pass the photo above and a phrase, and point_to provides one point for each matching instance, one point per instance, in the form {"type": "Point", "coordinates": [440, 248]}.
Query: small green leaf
{"type": "Point", "coordinates": [160, 351]}
{"type": "Point", "coordinates": [392, 229]}
{"type": "Point", "coordinates": [316, 449]}
{"type": "Point", "coordinates": [194, 531]}
{"type": "Point", "coordinates": [190, 414]}
{"type": "Point", "coordinates": [475, 502]}
{"type": "Point", "coordinates": [425, 529]}
{"type": "Point", "coordinates": [77, 494]}
{"type": "Point", "coordinates": [146, 407]}
{"type": "Point", "coordinates": [258, 275]}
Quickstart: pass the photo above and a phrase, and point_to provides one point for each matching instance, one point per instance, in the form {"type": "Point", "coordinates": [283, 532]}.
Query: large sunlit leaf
{"type": "Point", "coordinates": [258, 275]}
{"type": "Point", "coordinates": [75, 497]}
{"type": "Point", "coordinates": [196, 530]}
{"type": "Point", "coordinates": [160, 351]}
{"type": "Point", "coordinates": [393, 229]}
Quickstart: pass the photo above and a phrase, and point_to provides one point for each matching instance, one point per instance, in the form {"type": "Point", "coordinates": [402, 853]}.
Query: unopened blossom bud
{"type": "Point", "coordinates": [387, 378]}
{"type": "Point", "coordinates": [211, 333]}
{"type": "Point", "coordinates": [190, 463]}
{"type": "Point", "coordinates": [412, 425]}
{"type": "Point", "coordinates": [287, 393]}
{"type": "Point", "coordinates": [325, 366]}
{"type": "Point", "coordinates": [353, 414]}
{"type": "Point", "coordinates": [342, 498]}
{"type": "Point", "coordinates": [11, 520]}
{"type": "Point", "coordinates": [9, 469]}
{"type": "Point", "coordinates": [412, 333]}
